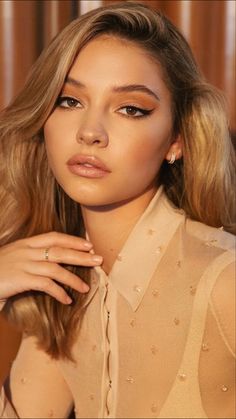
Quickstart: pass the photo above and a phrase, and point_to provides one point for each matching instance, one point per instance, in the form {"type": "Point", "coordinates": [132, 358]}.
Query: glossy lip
{"type": "Point", "coordinates": [95, 167]}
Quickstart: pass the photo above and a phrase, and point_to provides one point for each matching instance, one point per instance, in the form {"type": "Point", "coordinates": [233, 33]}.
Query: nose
{"type": "Point", "coordinates": [92, 133]}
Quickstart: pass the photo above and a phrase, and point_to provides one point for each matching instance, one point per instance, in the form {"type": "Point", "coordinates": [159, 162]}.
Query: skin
{"type": "Point", "coordinates": [99, 122]}
{"type": "Point", "coordinates": [23, 267]}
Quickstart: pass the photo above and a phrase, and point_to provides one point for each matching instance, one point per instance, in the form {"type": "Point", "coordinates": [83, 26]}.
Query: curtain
{"type": "Point", "coordinates": [26, 26]}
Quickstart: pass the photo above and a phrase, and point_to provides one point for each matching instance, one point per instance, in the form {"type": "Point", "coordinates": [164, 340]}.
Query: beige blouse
{"type": "Point", "coordinates": [157, 338]}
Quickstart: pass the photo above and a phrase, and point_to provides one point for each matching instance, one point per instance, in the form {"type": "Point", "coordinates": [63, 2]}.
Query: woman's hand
{"type": "Point", "coordinates": [34, 264]}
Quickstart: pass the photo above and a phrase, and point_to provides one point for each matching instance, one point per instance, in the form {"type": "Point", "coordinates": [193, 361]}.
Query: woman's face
{"type": "Point", "coordinates": [112, 126]}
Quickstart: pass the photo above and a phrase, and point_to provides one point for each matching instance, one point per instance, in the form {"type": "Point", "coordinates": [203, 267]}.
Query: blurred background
{"type": "Point", "coordinates": [27, 26]}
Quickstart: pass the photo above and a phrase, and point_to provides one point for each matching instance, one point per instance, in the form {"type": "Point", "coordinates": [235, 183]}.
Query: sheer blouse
{"type": "Point", "coordinates": [157, 337]}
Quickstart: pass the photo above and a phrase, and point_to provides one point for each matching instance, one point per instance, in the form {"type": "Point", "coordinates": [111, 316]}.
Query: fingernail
{"type": "Point", "coordinates": [68, 300]}
{"type": "Point", "coordinates": [88, 245]}
{"type": "Point", "coordinates": [97, 259]}
{"type": "Point", "coordinates": [85, 287]}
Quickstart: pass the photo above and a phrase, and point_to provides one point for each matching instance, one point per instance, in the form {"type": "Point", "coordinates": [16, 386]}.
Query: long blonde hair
{"type": "Point", "coordinates": [31, 200]}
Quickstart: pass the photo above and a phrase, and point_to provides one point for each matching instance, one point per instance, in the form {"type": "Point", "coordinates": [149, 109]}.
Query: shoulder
{"type": "Point", "coordinates": [199, 232]}
{"type": "Point", "coordinates": [217, 248]}
{"type": "Point", "coordinates": [210, 247]}
{"type": "Point", "coordinates": [211, 236]}
{"type": "Point", "coordinates": [202, 247]}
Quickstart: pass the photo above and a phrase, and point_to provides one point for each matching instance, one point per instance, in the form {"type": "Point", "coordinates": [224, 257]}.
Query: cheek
{"type": "Point", "coordinates": [148, 154]}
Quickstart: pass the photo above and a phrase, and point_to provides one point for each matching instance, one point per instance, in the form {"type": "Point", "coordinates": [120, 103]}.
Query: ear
{"type": "Point", "coordinates": [175, 150]}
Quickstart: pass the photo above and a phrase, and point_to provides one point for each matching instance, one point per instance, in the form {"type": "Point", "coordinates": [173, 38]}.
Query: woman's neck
{"type": "Point", "coordinates": [109, 227]}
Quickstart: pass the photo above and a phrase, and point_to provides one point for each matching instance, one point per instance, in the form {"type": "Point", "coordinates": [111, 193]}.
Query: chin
{"type": "Point", "coordinates": [89, 198]}
{"type": "Point", "coordinates": [92, 195]}
{"type": "Point", "coordinates": [95, 198]}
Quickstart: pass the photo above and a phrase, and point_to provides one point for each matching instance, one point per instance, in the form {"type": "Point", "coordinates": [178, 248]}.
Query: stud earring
{"type": "Point", "coordinates": [172, 159]}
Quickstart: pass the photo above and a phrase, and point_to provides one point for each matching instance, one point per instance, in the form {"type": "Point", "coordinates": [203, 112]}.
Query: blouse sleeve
{"type": "Point", "coordinates": [222, 303]}
{"type": "Point", "coordinates": [36, 387]}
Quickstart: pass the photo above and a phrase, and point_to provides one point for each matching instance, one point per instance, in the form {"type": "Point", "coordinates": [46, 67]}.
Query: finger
{"type": "Point", "coordinates": [58, 239]}
{"type": "Point", "coordinates": [47, 285]}
{"type": "Point", "coordinates": [58, 273]}
{"type": "Point", "coordinates": [67, 256]}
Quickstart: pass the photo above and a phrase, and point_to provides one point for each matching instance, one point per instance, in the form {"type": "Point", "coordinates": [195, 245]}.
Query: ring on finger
{"type": "Point", "coordinates": [46, 254]}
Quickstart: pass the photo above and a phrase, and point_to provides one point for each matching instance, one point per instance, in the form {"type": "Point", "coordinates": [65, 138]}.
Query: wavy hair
{"type": "Point", "coordinates": [31, 200]}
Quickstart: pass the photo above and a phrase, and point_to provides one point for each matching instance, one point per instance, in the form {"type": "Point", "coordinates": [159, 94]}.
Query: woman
{"type": "Point", "coordinates": [116, 153]}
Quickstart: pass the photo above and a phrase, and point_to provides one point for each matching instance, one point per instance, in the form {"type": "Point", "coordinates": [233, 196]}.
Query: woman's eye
{"type": "Point", "coordinates": [134, 111]}
{"type": "Point", "coordinates": [68, 102]}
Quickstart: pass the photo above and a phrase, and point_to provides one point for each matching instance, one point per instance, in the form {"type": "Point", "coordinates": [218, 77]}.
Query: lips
{"type": "Point", "coordinates": [87, 166]}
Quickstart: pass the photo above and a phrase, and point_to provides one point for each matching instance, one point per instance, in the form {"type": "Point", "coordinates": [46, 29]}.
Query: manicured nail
{"type": "Point", "coordinates": [88, 245]}
{"type": "Point", "coordinates": [85, 287]}
{"type": "Point", "coordinates": [68, 300]}
{"type": "Point", "coordinates": [97, 259]}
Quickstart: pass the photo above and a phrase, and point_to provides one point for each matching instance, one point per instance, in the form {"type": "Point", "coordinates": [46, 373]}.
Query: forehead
{"type": "Point", "coordinates": [112, 60]}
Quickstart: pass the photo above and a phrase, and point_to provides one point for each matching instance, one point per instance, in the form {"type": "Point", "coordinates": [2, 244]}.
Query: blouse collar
{"type": "Point", "coordinates": [142, 251]}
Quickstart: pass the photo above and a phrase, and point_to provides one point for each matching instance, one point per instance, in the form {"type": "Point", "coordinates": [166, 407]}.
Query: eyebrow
{"type": "Point", "coordinates": [119, 89]}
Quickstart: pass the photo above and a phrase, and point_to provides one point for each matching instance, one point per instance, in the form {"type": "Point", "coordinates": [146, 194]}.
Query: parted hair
{"type": "Point", "coordinates": [31, 201]}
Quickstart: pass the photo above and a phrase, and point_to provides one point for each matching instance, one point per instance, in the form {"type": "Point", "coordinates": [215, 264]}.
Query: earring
{"type": "Point", "coordinates": [172, 159]}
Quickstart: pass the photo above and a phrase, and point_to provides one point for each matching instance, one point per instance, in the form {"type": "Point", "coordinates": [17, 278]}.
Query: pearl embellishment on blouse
{"type": "Point", "coordinates": [154, 349]}
{"type": "Point", "coordinates": [130, 379]}
{"type": "Point", "coordinates": [205, 347]}
{"type": "Point", "coordinates": [182, 377]}
{"type": "Point", "coordinates": [154, 408]}
{"type": "Point", "coordinates": [192, 290]}
{"type": "Point", "coordinates": [155, 292]}
{"type": "Point", "coordinates": [137, 289]}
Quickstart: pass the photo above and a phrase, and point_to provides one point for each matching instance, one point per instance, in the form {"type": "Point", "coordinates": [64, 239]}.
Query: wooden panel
{"type": "Point", "coordinates": [18, 45]}
{"type": "Point", "coordinates": [27, 26]}
{"type": "Point", "coordinates": [55, 15]}
{"type": "Point", "coordinates": [85, 6]}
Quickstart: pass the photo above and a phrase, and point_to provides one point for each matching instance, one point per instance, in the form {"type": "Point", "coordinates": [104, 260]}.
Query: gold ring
{"type": "Point", "coordinates": [46, 254]}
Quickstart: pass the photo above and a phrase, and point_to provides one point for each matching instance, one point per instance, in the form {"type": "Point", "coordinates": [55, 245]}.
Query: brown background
{"type": "Point", "coordinates": [26, 26]}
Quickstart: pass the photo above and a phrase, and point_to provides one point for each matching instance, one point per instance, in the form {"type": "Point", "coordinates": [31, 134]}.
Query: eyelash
{"type": "Point", "coordinates": [64, 99]}
{"type": "Point", "coordinates": [144, 112]}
